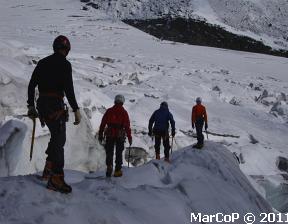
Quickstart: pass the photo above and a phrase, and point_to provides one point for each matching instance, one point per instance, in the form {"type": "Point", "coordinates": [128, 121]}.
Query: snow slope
{"type": "Point", "coordinates": [260, 19]}
{"type": "Point", "coordinates": [207, 181]}
{"type": "Point", "coordinates": [245, 94]}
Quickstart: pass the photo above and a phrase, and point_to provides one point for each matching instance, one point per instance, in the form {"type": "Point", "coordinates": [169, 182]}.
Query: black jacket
{"type": "Point", "coordinates": [53, 74]}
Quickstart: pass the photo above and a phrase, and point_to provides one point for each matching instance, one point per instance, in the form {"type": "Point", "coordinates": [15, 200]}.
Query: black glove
{"type": "Point", "coordinates": [100, 138]}
{"type": "Point", "coordinates": [150, 133]}
{"type": "Point", "coordinates": [32, 112]}
{"type": "Point", "coordinates": [173, 133]}
{"type": "Point", "coordinates": [130, 141]}
{"type": "Point", "coordinates": [206, 126]}
{"type": "Point", "coordinates": [77, 117]}
{"type": "Point", "coordinates": [193, 126]}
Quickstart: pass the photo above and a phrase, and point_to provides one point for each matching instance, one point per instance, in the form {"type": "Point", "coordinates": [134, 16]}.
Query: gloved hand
{"type": "Point", "coordinates": [32, 112]}
{"type": "Point", "coordinates": [100, 138]}
{"type": "Point", "coordinates": [150, 133]}
{"type": "Point", "coordinates": [173, 133]}
{"type": "Point", "coordinates": [206, 126]}
{"type": "Point", "coordinates": [77, 117]}
{"type": "Point", "coordinates": [130, 141]}
{"type": "Point", "coordinates": [193, 126]}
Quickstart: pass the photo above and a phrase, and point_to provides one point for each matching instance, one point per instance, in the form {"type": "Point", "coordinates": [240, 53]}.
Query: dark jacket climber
{"type": "Point", "coordinates": [53, 77]}
{"type": "Point", "coordinates": [159, 127]}
{"type": "Point", "coordinates": [115, 126]}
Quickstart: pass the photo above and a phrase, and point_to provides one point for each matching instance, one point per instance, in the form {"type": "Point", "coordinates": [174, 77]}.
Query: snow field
{"type": "Point", "coordinates": [245, 94]}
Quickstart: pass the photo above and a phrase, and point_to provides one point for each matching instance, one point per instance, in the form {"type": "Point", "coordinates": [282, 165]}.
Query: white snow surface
{"type": "Point", "coordinates": [245, 94]}
{"type": "Point", "coordinates": [11, 140]}
{"type": "Point", "coordinates": [198, 181]}
{"type": "Point", "coordinates": [261, 19]}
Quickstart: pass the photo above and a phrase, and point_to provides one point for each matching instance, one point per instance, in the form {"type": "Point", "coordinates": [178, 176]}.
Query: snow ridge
{"type": "Point", "coordinates": [200, 181]}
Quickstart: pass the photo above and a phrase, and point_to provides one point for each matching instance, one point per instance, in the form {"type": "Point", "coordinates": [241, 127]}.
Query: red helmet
{"type": "Point", "coordinates": [61, 42]}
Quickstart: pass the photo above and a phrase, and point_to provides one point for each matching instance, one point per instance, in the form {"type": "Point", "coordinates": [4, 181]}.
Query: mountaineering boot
{"type": "Point", "coordinates": [157, 156]}
{"type": "Point", "coordinates": [57, 183]}
{"type": "Point", "coordinates": [198, 146]}
{"type": "Point", "coordinates": [118, 173]}
{"type": "Point", "coordinates": [167, 160]}
{"type": "Point", "coordinates": [47, 170]}
{"type": "Point", "coordinates": [109, 171]}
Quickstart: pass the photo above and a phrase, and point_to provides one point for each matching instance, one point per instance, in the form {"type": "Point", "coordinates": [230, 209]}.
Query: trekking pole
{"type": "Point", "coordinates": [172, 145]}
{"type": "Point", "coordinates": [129, 157]}
{"type": "Point", "coordinates": [33, 137]}
{"type": "Point", "coordinates": [207, 135]}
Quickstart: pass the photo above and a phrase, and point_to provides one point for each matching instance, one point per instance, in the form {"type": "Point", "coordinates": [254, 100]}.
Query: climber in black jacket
{"type": "Point", "coordinates": [53, 76]}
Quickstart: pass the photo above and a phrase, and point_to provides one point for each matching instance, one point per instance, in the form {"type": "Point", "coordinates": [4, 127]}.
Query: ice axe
{"type": "Point", "coordinates": [207, 134]}
{"type": "Point", "coordinates": [33, 137]}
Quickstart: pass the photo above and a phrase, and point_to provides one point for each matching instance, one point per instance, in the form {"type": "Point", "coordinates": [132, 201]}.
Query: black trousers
{"type": "Point", "coordinates": [55, 150]}
{"type": "Point", "coordinates": [109, 147]}
{"type": "Point", "coordinates": [164, 136]}
{"type": "Point", "coordinates": [199, 128]}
